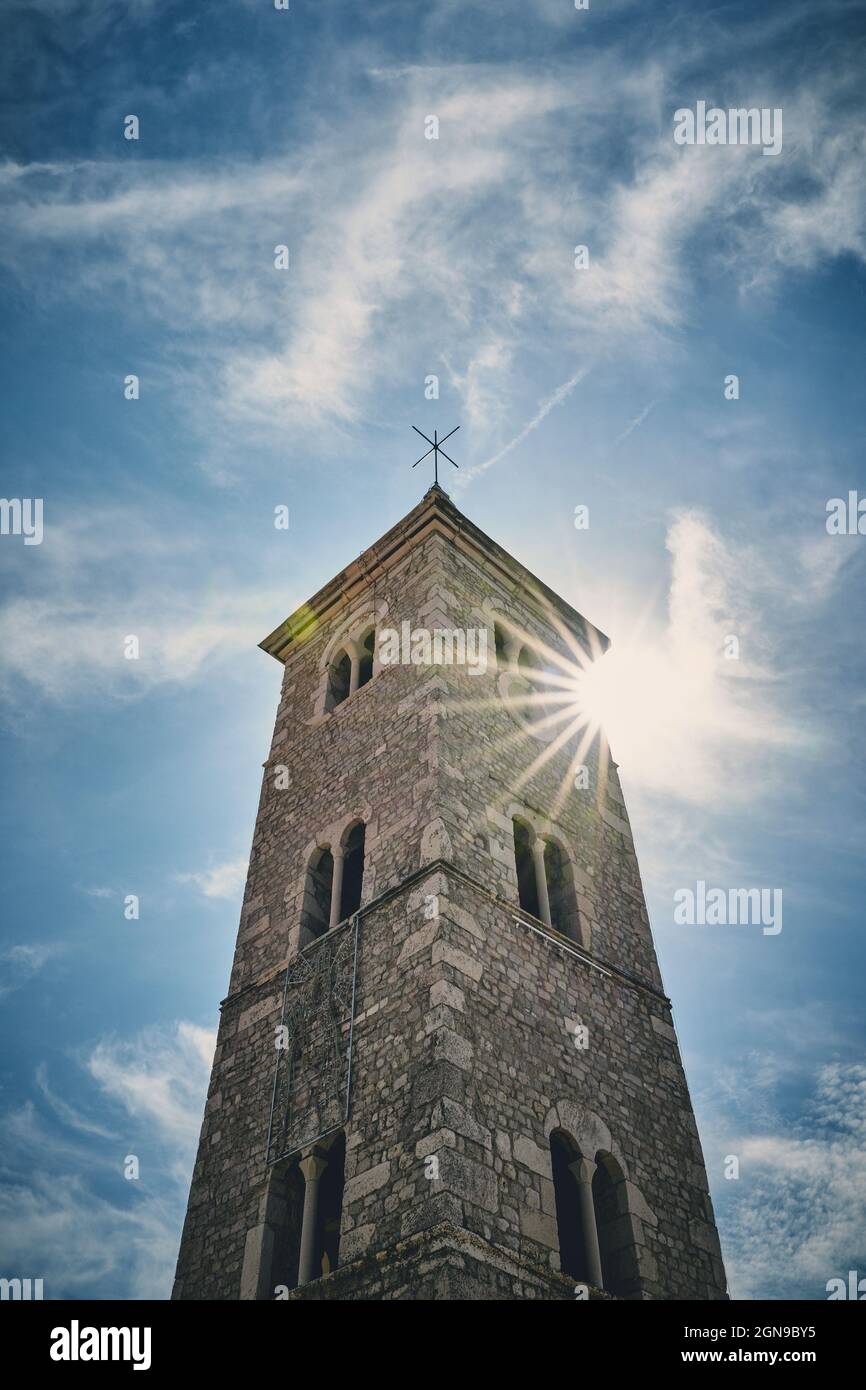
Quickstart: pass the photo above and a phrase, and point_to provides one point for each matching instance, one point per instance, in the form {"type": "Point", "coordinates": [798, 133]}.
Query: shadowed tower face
{"type": "Point", "coordinates": [446, 1066]}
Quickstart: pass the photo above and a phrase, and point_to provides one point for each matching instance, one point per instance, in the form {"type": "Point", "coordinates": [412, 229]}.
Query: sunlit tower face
{"type": "Point", "coordinates": [552, 697]}
{"type": "Point", "coordinates": [634, 698]}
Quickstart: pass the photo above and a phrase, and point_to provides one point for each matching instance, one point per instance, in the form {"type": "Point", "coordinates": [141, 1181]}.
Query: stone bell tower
{"type": "Point", "coordinates": [446, 1066]}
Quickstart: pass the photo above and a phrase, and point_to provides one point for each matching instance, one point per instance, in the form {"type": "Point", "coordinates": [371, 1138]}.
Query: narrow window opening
{"type": "Point", "coordinates": [353, 872]}
{"type": "Point", "coordinates": [615, 1238]}
{"type": "Point", "coordinates": [339, 680]}
{"type": "Point", "coordinates": [569, 1225]}
{"type": "Point", "coordinates": [327, 1256]}
{"type": "Point", "coordinates": [286, 1204]}
{"type": "Point", "coordinates": [365, 664]}
{"type": "Point", "coordinates": [527, 888]}
{"type": "Point", "coordinates": [316, 908]}
{"type": "Point", "coordinates": [500, 641]}
{"type": "Point", "coordinates": [560, 891]}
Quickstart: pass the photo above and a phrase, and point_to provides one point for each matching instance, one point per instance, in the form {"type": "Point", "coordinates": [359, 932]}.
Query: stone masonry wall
{"type": "Point", "coordinates": [464, 1023]}
{"type": "Point", "coordinates": [374, 756]}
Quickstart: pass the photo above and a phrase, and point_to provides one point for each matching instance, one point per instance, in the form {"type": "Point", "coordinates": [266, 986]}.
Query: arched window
{"type": "Point", "coordinates": [596, 1236]}
{"type": "Point", "coordinates": [316, 907]}
{"type": "Point", "coordinates": [560, 891]}
{"type": "Point", "coordinates": [353, 872]}
{"type": "Point", "coordinates": [528, 663]}
{"type": "Point", "coordinates": [330, 1211]}
{"type": "Point", "coordinates": [527, 885]}
{"type": "Point", "coordinates": [365, 661]}
{"type": "Point", "coordinates": [615, 1238]}
{"type": "Point", "coordinates": [350, 668]}
{"type": "Point", "coordinates": [500, 638]}
{"type": "Point", "coordinates": [323, 1169]}
{"type": "Point", "coordinates": [285, 1207]}
{"type": "Point", "coordinates": [339, 680]}
{"type": "Point", "coordinates": [545, 883]}
{"type": "Point", "coordinates": [569, 1222]}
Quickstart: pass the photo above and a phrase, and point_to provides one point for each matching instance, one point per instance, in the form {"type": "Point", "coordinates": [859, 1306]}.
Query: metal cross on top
{"type": "Point", "coordinates": [436, 449]}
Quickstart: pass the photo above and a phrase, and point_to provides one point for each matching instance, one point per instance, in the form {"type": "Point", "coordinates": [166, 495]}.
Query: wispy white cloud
{"type": "Point", "coordinates": [796, 1216]}
{"type": "Point", "coordinates": [66, 1113]}
{"type": "Point", "coordinates": [221, 881]}
{"type": "Point", "coordinates": [685, 720]}
{"type": "Point", "coordinates": [551, 402]}
{"type": "Point", "coordinates": [395, 247]}
{"type": "Point", "coordinates": [96, 585]}
{"type": "Point", "coordinates": [175, 640]}
{"type": "Point", "coordinates": [388, 274]}
{"type": "Point", "coordinates": [66, 1213]}
{"type": "Point", "coordinates": [57, 1228]}
{"type": "Point", "coordinates": [162, 200]}
{"type": "Point", "coordinates": [19, 964]}
{"type": "Point", "coordinates": [159, 1078]}
{"type": "Point", "coordinates": [634, 424]}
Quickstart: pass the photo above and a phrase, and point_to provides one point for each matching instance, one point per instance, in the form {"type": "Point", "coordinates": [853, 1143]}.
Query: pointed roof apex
{"type": "Point", "coordinates": [434, 514]}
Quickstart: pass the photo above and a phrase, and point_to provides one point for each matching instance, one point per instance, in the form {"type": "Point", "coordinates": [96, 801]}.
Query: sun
{"type": "Point", "coordinates": [608, 692]}
{"type": "Point", "coordinates": [626, 701]}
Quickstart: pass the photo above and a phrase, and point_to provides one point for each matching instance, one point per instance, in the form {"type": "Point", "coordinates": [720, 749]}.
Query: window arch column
{"type": "Point", "coordinates": [583, 1170]}
{"type": "Point", "coordinates": [312, 1167]}
{"type": "Point", "coordinates": [336, 886]}
{"type": "Point", "coordinates": [537, 848]}
{"type": "Point", "coordinates": [361, 652]}
{"type": "Point", "coordinates": [355, 671]}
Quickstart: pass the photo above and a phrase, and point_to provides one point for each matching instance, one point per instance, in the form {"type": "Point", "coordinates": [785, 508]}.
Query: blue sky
{"type": "Point", "coordinates": [260, 387]}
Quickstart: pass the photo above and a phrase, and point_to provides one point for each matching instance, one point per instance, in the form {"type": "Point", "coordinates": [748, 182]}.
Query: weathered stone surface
{"type": "Point", "coordinates": [363, 1184]}
{"type": "Point", "coordinates": [459, 960]}
{"type": "Point", "coordinates": [664, 1030]}
{"type": "Point", "coordinates": [528, 1152]}
{"type": "Point", "coordinates": [420, 940]}
{"type": "Point", "coordinates": [442, 1261]}
{"type": "Point", "coordinates": [444, 993]}
{"type": "Point", "coordinates": [356, 1242]}
{"type": "Point", "coordinates": [473, 1181]}
{"type": "Point", "coordinates": [435, 842]}
{"type": "Point", "coordinates": [450, 1112]}
{"type": "Point", "coordinates": [449, 1046]}
{"type": "Point", "coordinates": [432, 1143]}
{"type": "Point", "coordinates": [704, 1236]}
{"type": "Point", "coordinates": [541, 1227]}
